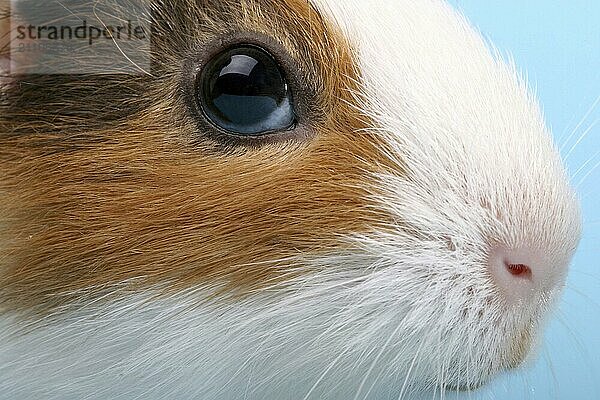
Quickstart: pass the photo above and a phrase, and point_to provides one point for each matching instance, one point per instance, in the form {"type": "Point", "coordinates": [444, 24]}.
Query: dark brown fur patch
{"type": "Point", "coordinates": [108, 180]}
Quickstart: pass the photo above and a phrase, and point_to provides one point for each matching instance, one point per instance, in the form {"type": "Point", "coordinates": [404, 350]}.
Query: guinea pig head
{"type": "Point", "coordinates": [362, 185]}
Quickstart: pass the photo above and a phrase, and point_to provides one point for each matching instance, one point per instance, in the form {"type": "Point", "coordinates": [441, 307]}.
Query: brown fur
{"type": "Point", "coordinates": [4, 38]}
{"type": "Point", "coordinates": [106, 180]}
{"type": "Point", "coordinates": [4, 26]}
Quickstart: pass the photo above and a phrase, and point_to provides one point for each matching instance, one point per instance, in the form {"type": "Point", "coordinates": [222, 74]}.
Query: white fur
{"type": "Point", "coordinates": [482, 169]}
{"type": "Point", "coordinates": [399, 309]}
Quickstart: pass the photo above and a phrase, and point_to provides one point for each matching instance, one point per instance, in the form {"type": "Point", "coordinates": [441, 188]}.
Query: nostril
{"type": "Point", "coordinates": [524, 273]}
{"type": "Point", "coordinates": [519, 273]}
{"type": "Point", "coordinates": [519, 270]}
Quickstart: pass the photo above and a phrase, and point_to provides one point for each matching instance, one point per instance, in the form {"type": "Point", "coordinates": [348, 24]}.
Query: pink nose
{"type": "Point", "coordinates": [523, 274]}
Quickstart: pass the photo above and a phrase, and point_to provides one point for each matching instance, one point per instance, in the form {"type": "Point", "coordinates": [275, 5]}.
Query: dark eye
{"type": "Point", "coordinates": [243, 91]}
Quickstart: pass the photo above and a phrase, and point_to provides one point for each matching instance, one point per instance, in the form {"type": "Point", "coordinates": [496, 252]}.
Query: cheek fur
{"type": "Point", "coordinates": [91, 204]}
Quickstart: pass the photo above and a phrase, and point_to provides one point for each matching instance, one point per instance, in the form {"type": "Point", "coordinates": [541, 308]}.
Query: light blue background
{"type": "Point", "coordinates": [557, 44]}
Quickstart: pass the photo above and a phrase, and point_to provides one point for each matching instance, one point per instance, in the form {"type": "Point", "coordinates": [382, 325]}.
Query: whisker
{"type": "Point", "coordinates": [525, 377]}
{"type": "Point", "coordinates": [594, 168]}
{"type": "Point", "coordinates": [366, 396]}
{"type": "Point", "coordinates": [381, 351]}
{"type": "Point", "coordinates": [562, 320]}
{"type": "Point", "coordinates": [585, 164]}
{"type": "Point", "coordinates": [585, 117]}
{"type": "Point", "coordinates": [587, 275]}
{"type": "Point", "coordinates": [581, 350]}
{"type": "Point", "coordinates": [548, 358]}
{"type": "Point", "coordinates": [331, 365]}
{"type": "Point", "coordinates": [580, 138]}
{"type": "Point", "coordinates": [443, 372]}
{"type": "Point", "coordinates": [410, 369]}
{"type": "Point", "coordinates": [585, 297]}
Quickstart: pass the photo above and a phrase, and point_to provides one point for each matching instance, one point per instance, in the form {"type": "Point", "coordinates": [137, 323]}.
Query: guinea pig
{"type": "Point", "coordinates": [292, 199]}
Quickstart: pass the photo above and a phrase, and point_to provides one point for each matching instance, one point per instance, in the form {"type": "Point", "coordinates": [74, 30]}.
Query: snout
{"type": "Point", "coordinates": [523, 274]}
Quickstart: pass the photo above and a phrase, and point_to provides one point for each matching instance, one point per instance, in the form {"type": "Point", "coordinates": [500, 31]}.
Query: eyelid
{"type": "Point", "coordinates": [298, 79]}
